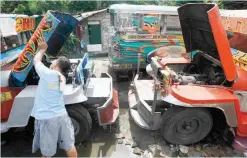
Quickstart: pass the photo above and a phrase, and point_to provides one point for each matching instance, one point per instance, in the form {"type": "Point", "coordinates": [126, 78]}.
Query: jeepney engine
{"type": "Point", "coordinates": [199, 71]}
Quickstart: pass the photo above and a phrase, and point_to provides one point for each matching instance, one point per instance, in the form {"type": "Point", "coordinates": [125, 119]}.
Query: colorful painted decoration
{"type": "Point", "coordinates": [24, 24]}
{"type": "Point", "coordinates": [55, 27]}
{"type": "Point", "coordinates": [240, 58]}
{"type": "Point", "coordinates": [150, 23]}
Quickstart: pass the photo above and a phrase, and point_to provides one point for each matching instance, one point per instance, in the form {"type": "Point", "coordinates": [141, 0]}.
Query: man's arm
{"type": "Point", "coordinates": [42, 47]}
{"type": "Point", "coordinates": [40, 68]}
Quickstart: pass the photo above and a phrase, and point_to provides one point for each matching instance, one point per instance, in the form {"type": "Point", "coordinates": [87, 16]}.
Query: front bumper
{"type": "Point", "coordinates": [109, 111]}
{"type": "Point", "coordinates": [142, 113]}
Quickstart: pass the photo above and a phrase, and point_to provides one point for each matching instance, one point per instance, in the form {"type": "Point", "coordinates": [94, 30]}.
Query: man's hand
{"type": "Point", "coordinates": [42, 47]}
{"type": "Point", "coordinates": [42, 43]}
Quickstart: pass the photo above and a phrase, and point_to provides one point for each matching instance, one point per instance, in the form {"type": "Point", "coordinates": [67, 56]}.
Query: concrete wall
{"type": "Point", "coordinates": [104, 20]}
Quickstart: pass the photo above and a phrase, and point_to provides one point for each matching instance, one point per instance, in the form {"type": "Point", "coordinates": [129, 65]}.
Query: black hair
{"type": "Point", "coordinates": [64, 65]}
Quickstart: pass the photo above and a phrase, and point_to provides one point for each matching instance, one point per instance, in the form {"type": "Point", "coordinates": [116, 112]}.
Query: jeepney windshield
{"type": "Point", "coordinates": [144, 19]}
{"type": "Point", "coordinates": [136, 22]}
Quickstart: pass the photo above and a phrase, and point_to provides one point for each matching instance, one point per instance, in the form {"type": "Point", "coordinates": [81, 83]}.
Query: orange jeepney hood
{"type": "Point", "coordinates": [203, 30]}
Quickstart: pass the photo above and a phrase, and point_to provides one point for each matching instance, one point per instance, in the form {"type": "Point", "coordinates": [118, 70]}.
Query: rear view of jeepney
{"type": "Point", "coordinates": [190, 97]}
{"type": "Point", "coordinates": [87, 98]}
{"type": "Point", "coordinates": [140, 29]}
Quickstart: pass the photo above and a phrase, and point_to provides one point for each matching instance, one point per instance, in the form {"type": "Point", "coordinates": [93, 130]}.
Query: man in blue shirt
{"type": "Point", "coordinates": [52, 123]}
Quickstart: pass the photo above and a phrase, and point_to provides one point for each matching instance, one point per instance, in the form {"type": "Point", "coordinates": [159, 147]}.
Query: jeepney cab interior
{"type": "Point", "coordinates": [81, 71]}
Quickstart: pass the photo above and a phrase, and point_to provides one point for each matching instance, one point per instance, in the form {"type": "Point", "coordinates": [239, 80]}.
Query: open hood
{"type": "Point", "coordinates": [203, 30]}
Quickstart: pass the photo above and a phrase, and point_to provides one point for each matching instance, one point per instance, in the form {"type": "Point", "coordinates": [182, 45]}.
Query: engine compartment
{"type": "Point", "coordinates": [33, 77]}
{"type": "Point", "coordinates": [200, 71]}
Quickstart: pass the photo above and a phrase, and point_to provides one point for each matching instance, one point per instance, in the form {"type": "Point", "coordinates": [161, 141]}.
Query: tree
{"type": "Point", "coordinates": [75, 7]}
{"type": "Point", "coordinates": [234, 4]}
{"type": "Point", "coordinates": [10, 6]}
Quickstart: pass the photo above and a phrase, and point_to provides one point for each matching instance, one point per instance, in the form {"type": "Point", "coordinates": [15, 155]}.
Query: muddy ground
{"type": "Point", "coordinates": [124, 138]}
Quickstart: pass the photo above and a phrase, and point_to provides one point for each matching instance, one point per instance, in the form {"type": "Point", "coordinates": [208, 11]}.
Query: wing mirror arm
{"type": "Point", "coordinates": [74, 75]}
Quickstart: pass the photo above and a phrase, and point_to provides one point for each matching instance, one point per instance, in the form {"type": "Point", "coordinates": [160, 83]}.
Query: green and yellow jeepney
{"type": "Point", "coordinates": [140, 29]}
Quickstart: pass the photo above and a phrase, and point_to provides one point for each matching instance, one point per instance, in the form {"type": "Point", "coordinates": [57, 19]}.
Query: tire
{"type": "Point", "coordinates": [81, 121]}
{"type": "Point", "coordinates": [186, 125]}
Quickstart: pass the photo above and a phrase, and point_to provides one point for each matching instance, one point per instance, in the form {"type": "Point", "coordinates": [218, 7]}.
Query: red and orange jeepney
{"type": "Point", "coordinates": [189, 97]}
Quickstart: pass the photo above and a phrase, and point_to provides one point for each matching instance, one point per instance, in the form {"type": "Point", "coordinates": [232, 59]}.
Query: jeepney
{"type": "Point", "coordinates": [87, 98]}
{"type": "Point", "coordinates": [140, 29]}
{"type": "Point", "coordinates": [188, 98]}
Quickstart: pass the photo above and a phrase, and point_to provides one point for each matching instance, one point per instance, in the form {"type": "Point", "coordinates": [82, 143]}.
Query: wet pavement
{"type": "Point", "coordinates": [123, 139]}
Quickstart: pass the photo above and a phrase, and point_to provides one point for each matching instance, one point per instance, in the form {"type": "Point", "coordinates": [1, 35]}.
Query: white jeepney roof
{"type": "Point", "coordinates": [2, 15]}
{"type": "Point", "coordinates": [8, 24]}
{"type": "Point", "coordinates": [127, 8]}
{"type": "Point", "coordinates": [234, 13]}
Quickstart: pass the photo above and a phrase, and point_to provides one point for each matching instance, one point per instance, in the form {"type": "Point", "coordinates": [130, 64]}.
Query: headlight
{"type": "Point", "coordinates": [155, 66]}
{"type": "Point", "coordinates": [149, 70]}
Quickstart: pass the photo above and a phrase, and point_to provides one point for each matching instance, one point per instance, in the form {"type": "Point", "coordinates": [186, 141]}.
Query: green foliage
{"type": "Point", "coordinates": [10, 6]}
{"type": "Point", "coordinates": [75, 7]}
{"type": "Point", "coordinates": [168, 2]}
{"type": "Point", "coordinates": [69, 46]}
{"type": "Point", "coordinates": [234, 4]}
{"type": "Point", "coordinates": [81, 6]}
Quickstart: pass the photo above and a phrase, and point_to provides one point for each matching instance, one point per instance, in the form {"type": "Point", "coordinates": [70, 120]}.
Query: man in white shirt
{"type": "Point", "coordinates": [52, 123]}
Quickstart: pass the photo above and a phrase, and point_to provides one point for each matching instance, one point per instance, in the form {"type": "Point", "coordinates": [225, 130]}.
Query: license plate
{"type": "Point", "coordinates": [125, 66]}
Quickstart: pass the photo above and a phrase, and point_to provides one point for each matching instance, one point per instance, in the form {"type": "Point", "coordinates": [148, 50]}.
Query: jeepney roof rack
{"type": "Point", "coordinates": [128, 8]}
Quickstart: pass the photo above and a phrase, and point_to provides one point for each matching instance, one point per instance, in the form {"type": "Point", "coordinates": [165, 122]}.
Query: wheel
{"type": "Point", "coordinates": [117, 76]}
{"type": "Point", "coordinates": [81, 121]}
{"type": "Point", "coordinates": [186, 125]}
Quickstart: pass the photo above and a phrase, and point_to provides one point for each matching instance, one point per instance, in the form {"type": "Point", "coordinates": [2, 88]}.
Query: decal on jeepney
{"type": "Point", "coordinates": [128, 48]}
{"type": "Point", "coordinates": [146, 37]}
{"type": "Point", "coordinates": [5, 96]}
{"type": "Point", "coordinates": [142, 37]}
{"type": "Point", "coordinates": [24, 24]}
{"type": "Point", "coordinates": [150, 23]}
{"type": "Point", "coordinates": [24, 63]}
{"type": "Point", "coordinates": [240, 59]}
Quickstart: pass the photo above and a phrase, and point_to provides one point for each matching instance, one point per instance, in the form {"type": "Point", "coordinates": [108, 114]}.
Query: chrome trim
{"type": "Point", "coordinates": [242, 100]}
{"type": "Point", "coordinates": [172, 100]}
